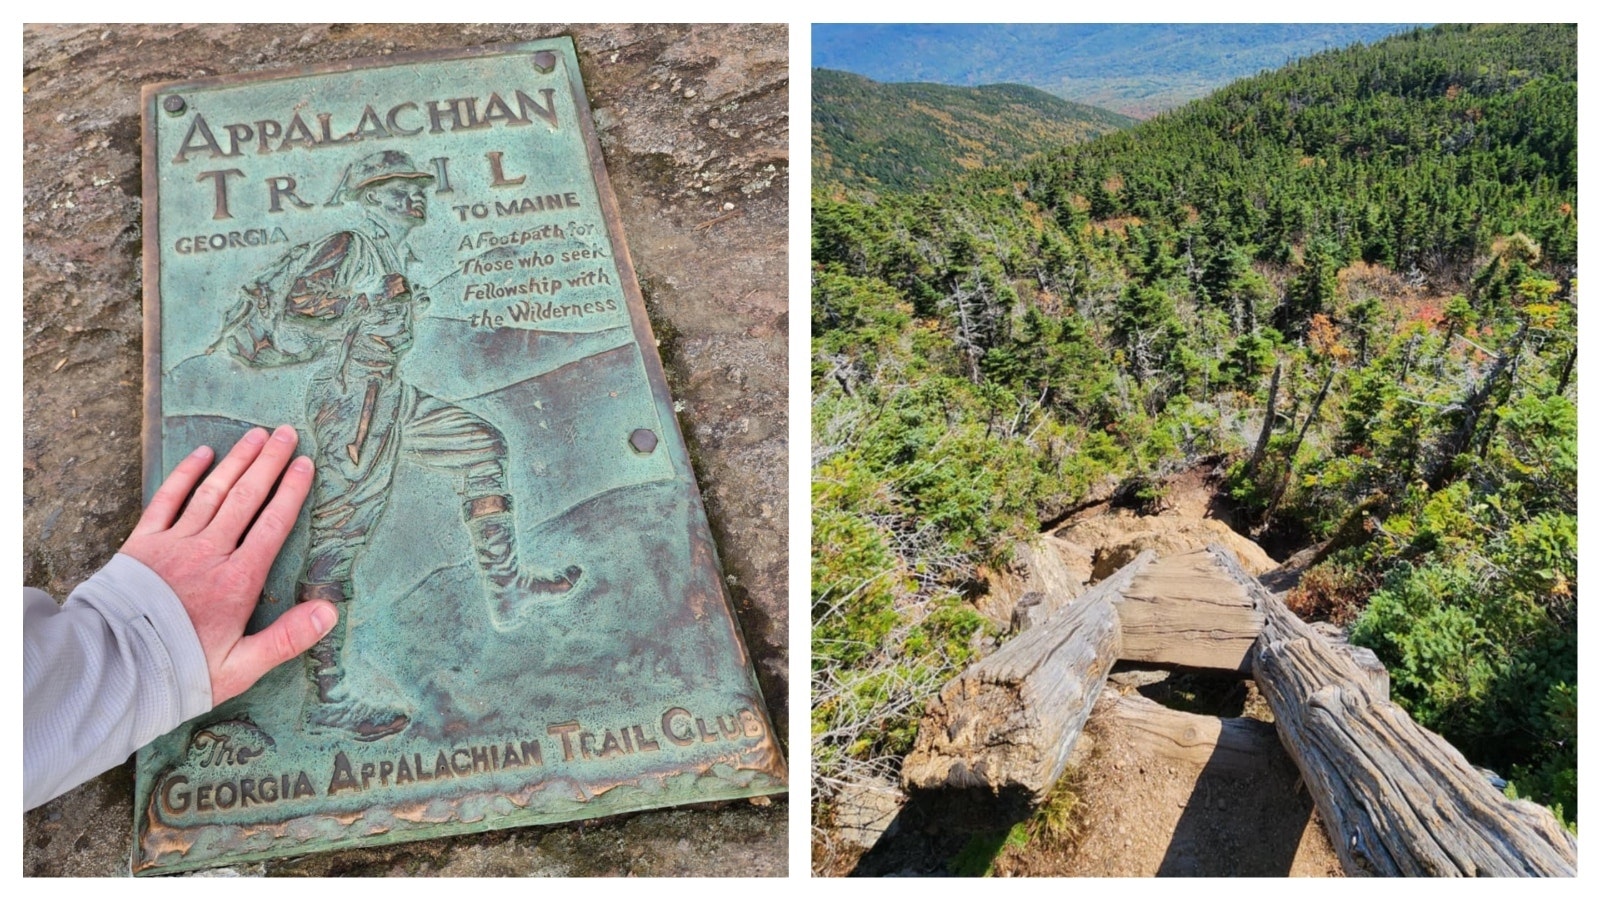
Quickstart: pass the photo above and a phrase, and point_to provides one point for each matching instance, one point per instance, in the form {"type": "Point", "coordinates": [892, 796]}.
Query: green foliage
{"type": "Point", "coordinates": [1486, 670]}
{"type": "Point", "coordinates": [1312, 291]}
{"type": "Point", "coordinates": [1440, 651]}
{"type": "Point", "coordinates": [1556, 774]}
{"type": "Point", "coordinates": [977, 858]}
{"type": "Point", "coordinates": [1477, 619]}
{"type": "Point", "coordinates": [1408, 153]}
{"type": "Point", "coordinates": [1390, 228]}
{"type": "Point", "coordinates": [859, 574]}
{"type": "Point", "coordinates": [1058, 817]}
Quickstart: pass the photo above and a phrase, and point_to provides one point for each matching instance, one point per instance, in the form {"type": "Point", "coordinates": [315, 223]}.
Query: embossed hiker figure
{"type": "Point", "coordinates": [348, 296]}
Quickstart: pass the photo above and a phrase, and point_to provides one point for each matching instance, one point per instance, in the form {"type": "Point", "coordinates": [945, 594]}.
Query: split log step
{"type": "Point", "coordinates": [1232, 745]}
{"type": "Point", "coordinates": [1396, 798]}
{"type": "Point", "coordinates": [1187, 610]}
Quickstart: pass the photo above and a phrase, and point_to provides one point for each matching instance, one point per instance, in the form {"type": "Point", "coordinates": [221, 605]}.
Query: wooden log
{"type": "Point", "coordinates": [1004, 727]}
{"type": "Point", "coordinates": [1377, 674]}
{"type": "Point", "coordinates": [1231, 745]}
{"type": "Point", "coordinates": [1186, 610]}
{"type": "Point", "coordinates": [1396, 798]}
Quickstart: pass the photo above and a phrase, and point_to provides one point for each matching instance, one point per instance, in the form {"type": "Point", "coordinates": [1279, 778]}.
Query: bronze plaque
{"type": "Point", "coordinates": [419, 264]}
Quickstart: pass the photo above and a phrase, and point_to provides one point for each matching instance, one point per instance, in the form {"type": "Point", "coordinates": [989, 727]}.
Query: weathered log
{"type": "Point", "coordinates": [1361, 657]}
{"type": "Point", "coordinates": [1233, 745]}
{"type": "Point", "coordinates": [1186, 610]}
{"type": "Point", "coordinates": [1396, 798]}
{"type": "Point", "coordinates": [1005, 726]}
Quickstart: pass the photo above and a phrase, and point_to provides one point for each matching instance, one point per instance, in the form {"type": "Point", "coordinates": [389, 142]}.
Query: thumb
{"type": "Point", "coordinates": [255, 655]}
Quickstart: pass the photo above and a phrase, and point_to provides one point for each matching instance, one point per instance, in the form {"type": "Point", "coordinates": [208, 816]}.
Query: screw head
{"type": "Point", "coordinates": [174, 104]}
{"type": "Point", "coordinates": [643, 440]}
{"type": "Point", "coordinates": [544, 61]}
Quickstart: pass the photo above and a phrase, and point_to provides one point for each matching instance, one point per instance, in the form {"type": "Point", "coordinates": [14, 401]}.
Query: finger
{"type": "Point", "coordinates": [255, 655]}
{"type": "Point", "coordinates": [211, 492]}
{"type": "Point", "coordinates": [272, 527]}
{"type": "Point", "coordinates": [247, 495]}
{"type": "Point", "coordinates": [173, 491]}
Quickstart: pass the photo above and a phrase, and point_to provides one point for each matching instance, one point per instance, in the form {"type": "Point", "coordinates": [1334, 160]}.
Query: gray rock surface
{"type": "Point", "coordinates": [693, 121]}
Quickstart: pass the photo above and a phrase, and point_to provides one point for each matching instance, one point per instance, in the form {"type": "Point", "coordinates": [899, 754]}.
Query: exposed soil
{"type": "Point", "coordinates": [1142, 814]}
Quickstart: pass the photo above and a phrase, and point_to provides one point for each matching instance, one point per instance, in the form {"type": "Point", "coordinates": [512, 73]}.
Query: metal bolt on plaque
{"type": "Point", "coordinates": [643, 440]}
{"type": "Point", "coordinates": [418, 263]}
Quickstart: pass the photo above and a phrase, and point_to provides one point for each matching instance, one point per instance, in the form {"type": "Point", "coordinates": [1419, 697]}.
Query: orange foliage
{"type": "Point", "coordinates": [1324, 338]}
{"type": "Point", "coordinates": [1119, 224]}
{"type": "Point", "coordinates": [1429, 311]}
{"type": "Point", "coordinates": [1330, 593]}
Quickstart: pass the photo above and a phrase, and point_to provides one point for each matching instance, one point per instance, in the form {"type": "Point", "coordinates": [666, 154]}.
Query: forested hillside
{"type": "Point", "coordinates": [1352, 279]}
{"type": "Point", "coordinates": [907, 136]}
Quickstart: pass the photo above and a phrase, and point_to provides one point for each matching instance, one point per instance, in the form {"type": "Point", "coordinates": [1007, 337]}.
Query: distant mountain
{"type": "Point", "coordinates": [1139, 70]}
{"type": "Point", "coordinates": [907, 136]}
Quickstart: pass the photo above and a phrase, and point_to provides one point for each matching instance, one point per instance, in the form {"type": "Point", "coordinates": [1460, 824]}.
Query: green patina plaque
{"type": "Point", "coordinates": [419, 264]}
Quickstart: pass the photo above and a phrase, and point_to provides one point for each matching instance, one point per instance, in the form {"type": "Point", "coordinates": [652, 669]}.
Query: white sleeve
{"type": "Point", "coordinates": [113, 668]}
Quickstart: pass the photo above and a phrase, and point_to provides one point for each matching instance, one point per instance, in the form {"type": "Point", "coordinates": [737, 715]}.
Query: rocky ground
{"type": "Point", "coordinates": [693, 123]}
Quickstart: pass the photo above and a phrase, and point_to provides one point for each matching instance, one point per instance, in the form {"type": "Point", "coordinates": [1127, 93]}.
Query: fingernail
{"type": "Point", "coordinates": [255, 436]}
{"type": "Point", "coordinates": [200, 451]}
{"type": "Point", "coordinates": [303, 464]}
{"type": "Point", "coordinates": [284, 433]}
{"type": "Point", "coordinates": [323, 617]}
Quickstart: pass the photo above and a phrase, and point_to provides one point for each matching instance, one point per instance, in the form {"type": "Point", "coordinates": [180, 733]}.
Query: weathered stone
{"type": "Point", "coordinates": [865, 812]}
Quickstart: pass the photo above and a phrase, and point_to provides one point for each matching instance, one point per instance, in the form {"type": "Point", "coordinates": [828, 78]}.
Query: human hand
{"type": "Point", "coordinates": [217, 567]}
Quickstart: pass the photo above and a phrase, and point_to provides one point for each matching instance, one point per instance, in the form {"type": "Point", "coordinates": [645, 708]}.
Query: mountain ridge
{"type": "Point", "coordinates": [903, 136]}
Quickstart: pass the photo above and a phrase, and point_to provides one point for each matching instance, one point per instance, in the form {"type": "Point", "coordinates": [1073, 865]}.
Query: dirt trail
{"type": "Point", "coordinates": [1145, 813]}
{"type": "Point", "coordinates": [1138, 809]}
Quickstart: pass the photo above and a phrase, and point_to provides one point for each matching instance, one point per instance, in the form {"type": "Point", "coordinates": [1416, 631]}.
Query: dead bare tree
{"type": "Point", "coordinates": [1472, 408]}
{"type": "Point", "coordinates": [1266, 422]}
